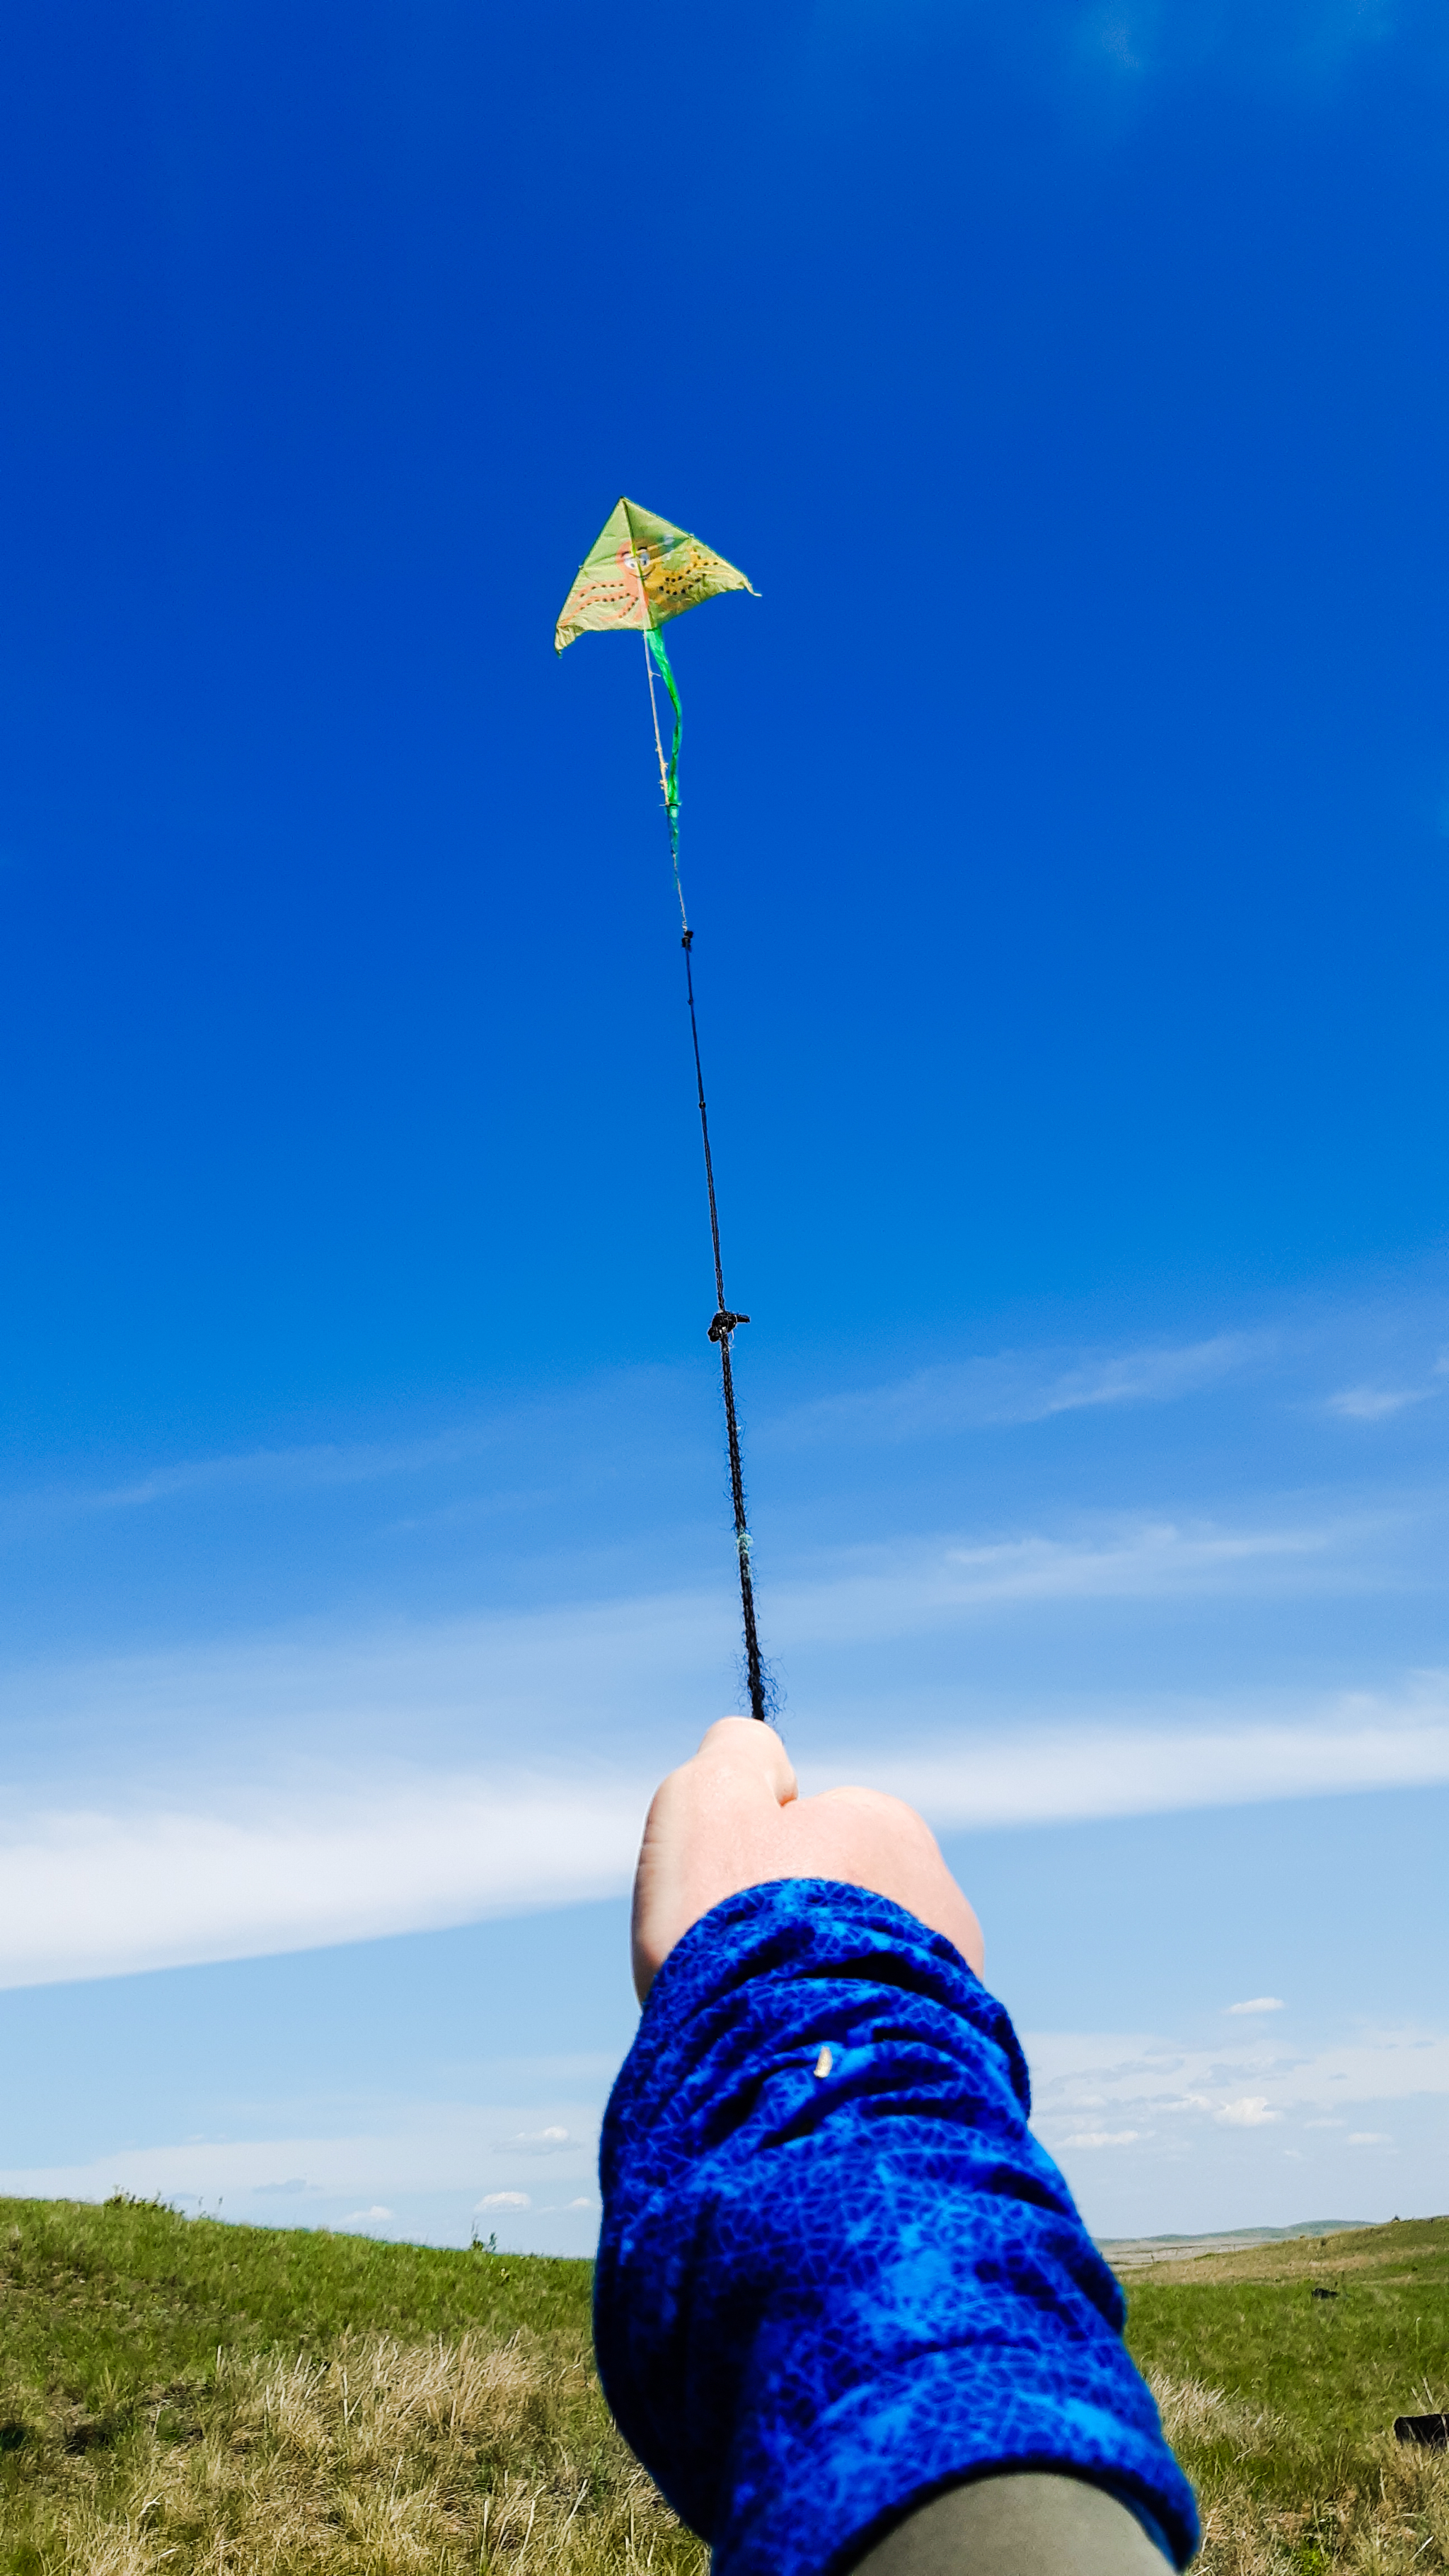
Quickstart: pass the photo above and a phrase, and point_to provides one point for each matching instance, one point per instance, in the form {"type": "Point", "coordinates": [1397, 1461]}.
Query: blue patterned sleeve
{"type": "Point", "coordinates": [837, 2273]}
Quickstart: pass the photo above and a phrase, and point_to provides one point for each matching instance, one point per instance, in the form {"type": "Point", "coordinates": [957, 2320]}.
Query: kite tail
{"type": "Point", "coordinates": [668, 770]}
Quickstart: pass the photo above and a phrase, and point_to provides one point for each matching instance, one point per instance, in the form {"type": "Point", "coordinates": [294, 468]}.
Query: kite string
{"type": "Point", "coordinates": [723, 1327]}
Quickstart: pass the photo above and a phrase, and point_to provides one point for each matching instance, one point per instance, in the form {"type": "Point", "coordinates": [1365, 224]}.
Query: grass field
{"type": "Point", "coordinates": [178, 2395]}
{"type": "Point", "coordinates": [1281, 2402]}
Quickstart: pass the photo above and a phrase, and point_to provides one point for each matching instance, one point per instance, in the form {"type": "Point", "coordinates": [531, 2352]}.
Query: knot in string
{"type": "Point", "coordinates": [724, 1324]}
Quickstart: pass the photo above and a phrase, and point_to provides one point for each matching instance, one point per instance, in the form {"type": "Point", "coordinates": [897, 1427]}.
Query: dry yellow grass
{"type": "Point", "coordinates": [179, 2398]}
{"type": "Point", "coordinates": [419, 2459]}
{"type": "Point", "coordinates": [1392, 2519]}
{"type": "Point", "coordinates": [383, 2459]}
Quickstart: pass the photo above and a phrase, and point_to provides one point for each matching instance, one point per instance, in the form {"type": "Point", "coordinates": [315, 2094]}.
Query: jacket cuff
{"type": "Point", "coordinates": [836, 2272]}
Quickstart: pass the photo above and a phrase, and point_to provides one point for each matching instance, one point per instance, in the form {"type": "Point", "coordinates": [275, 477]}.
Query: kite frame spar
{"type": "Point", "coordinates": [641, 571]}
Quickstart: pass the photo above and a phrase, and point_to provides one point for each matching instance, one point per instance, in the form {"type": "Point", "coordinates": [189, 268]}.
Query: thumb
{"type": "Point", "coordinates": [749, 1754]}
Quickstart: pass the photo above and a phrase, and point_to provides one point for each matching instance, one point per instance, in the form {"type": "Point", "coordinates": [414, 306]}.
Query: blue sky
{"type": "Point", "coordinates": [1065, 831]}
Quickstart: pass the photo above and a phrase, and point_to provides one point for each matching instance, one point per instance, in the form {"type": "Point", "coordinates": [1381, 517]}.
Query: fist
{"type": "Point", "coordinates": [733, 1818]}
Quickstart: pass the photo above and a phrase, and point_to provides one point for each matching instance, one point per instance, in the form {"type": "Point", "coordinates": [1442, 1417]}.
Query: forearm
{"type": "Point", "coordinates": [837, 2273]}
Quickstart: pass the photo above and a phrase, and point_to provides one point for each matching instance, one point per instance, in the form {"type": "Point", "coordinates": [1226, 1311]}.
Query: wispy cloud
{"type": "Point", "coordinates": [1143, 2080]}
{"type": "Point", "coordinates": [580, 1424]}
{"type": "Point", "coordinates": [1298, 40]}
{"type": "Point", "coordinates": [1356, 1743]}
{"type": "Point", "coordinates": [93, 1894]}
{"type": "Point", "coordinates": [432, 2172]}
{"type": "Point", "coordinates": [1388, 1358]}
{"type": "Point", "coordinates": [1143, 46]}
{"type": "Point", "coordinates": [1375, 1403]}
{"type": "Point", "coordinates": [1227, 2135]}
{"type": "Point", "coordinates": [634, 1668]}
{"type": "Point", "coordinates": [1385, 1360]}
{"type": "Point", "coordinates": [879, 1593]}
{"type": "Point", "coordinates": [96, 1895]}
{"type": "Point", "coordinates": [1144, 1558]}
{"type": "Point", "coordinates": [294, 1470]}
{"type": "Point", "coordinates": [330, 1782]}
{"type": "Point", "coordinates": [1257, 2004]}
{"type": "Point", "coordinates": [1022, 1387]}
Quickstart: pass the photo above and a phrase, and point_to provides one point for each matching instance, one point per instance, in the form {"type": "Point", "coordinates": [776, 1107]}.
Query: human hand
{"type": "Point", "coordinates": [732, 1818]}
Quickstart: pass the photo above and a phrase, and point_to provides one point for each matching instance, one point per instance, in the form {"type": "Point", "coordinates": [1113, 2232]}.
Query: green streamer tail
{"type": "Point", "coordinates": [671, 776]}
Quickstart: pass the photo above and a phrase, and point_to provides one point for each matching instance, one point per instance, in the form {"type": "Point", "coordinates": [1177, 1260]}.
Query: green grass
{"type": "Point", "coordinates": [1282, 2405]}
{"type": "Point", "coordinates": [107, 2301]}
{"type": "Point", "coordinates": [176, 2394]}
{"type": "Point", "coordinates": [1336, 2370]}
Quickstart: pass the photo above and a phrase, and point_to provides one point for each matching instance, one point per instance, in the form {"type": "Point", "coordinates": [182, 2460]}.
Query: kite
{"type": "Point", "coordinates": [640, 572]}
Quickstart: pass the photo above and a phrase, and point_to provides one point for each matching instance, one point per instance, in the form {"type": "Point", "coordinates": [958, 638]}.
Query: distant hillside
{"type": "Point", "coordinates": [1124, 2251]}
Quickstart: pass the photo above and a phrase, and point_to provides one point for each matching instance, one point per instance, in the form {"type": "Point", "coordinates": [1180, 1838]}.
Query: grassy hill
{"type": "Point", "coordinates": [176, 2394]}
{"type": "Point", "coordinates": [1280, 2369]}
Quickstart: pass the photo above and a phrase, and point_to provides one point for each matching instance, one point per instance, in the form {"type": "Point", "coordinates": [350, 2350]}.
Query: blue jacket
{"type": "Point", "coordinates": [837, 2273]}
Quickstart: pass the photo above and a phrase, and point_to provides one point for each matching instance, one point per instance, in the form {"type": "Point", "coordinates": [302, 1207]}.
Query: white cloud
{"type": "Point", "coordinates": [1040, 1774]}
{"type": "Point", "coordinates": [536, 2142]}
{"type": "Point", "coordinates": [586, 1672]}
{"type": "Point", "coordinates": [296, 1470]}
{"type": "Point", "coordinates": [87, 1894]}
{"type": "Point", "coordinates": [438, 2154]}
{"type": "Point", "coordinates": [585, 2203]}
{"type": "Point", "coordinates": [95, 1895]}
{"type": "Point", "coordinates": [917, 1588]}
{"type": "Point", "coordinates": [1102, 2138]}
{"type": "Point", "coordinates": [366, 2217]}
{"type": "Point", "coordinates": [1150, 1558]}
{"type": "Point", "coordinates": [1257, 2004]}
{"type": "Point", "coordinates": [1134, 2079]}
{"type": "Point", "coordinates": [501, 2200]}
{"type": "Point", "coordinates": [1021, 1387]}
{"type": "Point", "coordinates": [1155, 1376]}
{"type": "Point", "coordinates": [1369, 2138]}
{"type": "Point", "coordinates": [1375, 1403]}
{"type": "Point", "coordinates": [358, 1691]}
